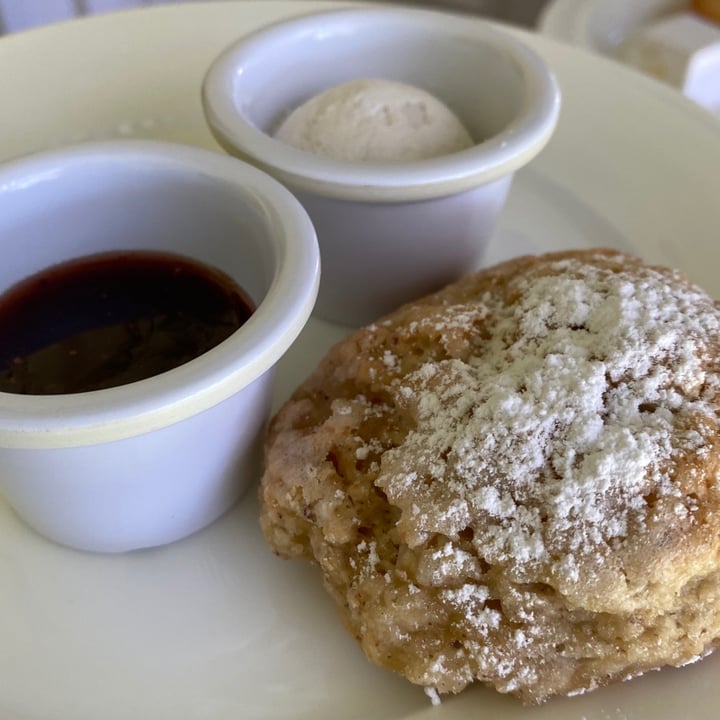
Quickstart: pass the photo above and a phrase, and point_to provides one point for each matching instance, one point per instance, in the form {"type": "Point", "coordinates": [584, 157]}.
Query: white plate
{"type": "Point", "coordinates": [215, 627]}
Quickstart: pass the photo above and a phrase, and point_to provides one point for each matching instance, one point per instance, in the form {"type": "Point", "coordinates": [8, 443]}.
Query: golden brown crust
{"type": "Point", "coordinates": [710, 9]}
{"type": "Point", "coordinates": [515, 480]}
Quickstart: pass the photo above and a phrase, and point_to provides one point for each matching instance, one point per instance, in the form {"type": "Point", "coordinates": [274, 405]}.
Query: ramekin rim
{"type": "Point", "coordinates": [497, 156]}
{"type": "Point", "coordinates": [44, 421]}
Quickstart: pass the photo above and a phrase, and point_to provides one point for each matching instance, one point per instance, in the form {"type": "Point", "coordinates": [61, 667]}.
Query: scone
{"type": "Point", "coordinates": [515, 480]}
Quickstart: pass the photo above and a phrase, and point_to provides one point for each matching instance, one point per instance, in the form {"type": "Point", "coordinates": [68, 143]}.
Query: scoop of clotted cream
{"type": "Point", "coordinates": [375, 121]}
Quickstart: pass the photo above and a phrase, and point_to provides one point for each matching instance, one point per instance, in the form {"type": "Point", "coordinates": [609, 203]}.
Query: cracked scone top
{"type": "Point", "coordinates": [515, 480]}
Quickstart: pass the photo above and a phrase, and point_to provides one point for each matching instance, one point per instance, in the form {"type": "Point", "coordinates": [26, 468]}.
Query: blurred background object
{"type": "Point", "coordinates": [674, 41]}
{"type": "Point", "coordinates": [23, 14]}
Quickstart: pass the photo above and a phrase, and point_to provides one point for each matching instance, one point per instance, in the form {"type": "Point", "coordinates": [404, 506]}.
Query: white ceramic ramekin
{"type": "Point", "coordinates": [388, 233]}
{"type": "Point", "coordinates": [152, 461]}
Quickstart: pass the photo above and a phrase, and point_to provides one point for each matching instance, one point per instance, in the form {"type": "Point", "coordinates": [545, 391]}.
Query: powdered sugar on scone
{"type": "Point", "coordinates": [515, 480]}
{"type": "Point", "coordinates": [553, 435]}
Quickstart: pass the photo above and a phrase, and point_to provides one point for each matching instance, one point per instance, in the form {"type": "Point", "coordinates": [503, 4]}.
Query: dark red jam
{"type": "Point", "coordinates": [111, 319]}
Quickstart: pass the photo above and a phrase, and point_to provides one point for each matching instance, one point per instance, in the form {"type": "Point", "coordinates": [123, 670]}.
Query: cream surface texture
{"type": "Point", "coordinates": [374, 121]}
